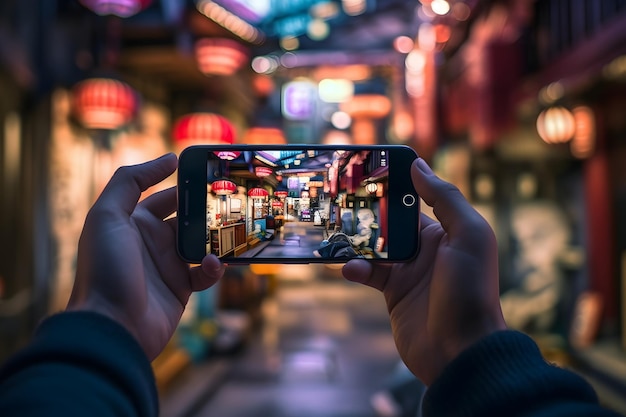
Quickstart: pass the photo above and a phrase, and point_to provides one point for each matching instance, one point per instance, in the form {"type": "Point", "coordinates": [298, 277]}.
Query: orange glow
{"type": "Point", "coordinates": [264, 136]}
{"type": "Point", "coordinates": [442, 33]}
{"type": "Point", "coordinates": [337, 137]}
{"type": "Point", "coordinates": [584, 141]}
{"type": "Point", "coordinates": [364, 132]}
{"type": "Point", "coordinates": [263, 85]}
{"type": "Point", "coordinates": [265, 269]}
{"type": "Point", "coordinates": [402, 126]}
{"type": "Point", "coordinates": [216, 56]}
{"type": "Point", "coordinates": [367, 105]}
{"type": "Point", "coordinates": [355, 72]}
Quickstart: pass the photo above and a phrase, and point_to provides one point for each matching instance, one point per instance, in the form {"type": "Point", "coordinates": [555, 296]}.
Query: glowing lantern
{"type": "Point", "coordinates": [584, 141]}
{"type": "Point", "coordinates": [121, 8]}
{"type": "Point", "coordinates": [220, 56]}
{"type": "Point", "coordinates": [556, 125]}
{"type": "Point", "coordinates": [262, 171]}
{"type": "Point", "coordinates": [264, 136]}
{"type": "Point", "coordinates": [257, 192]}
{"type": "Point", "coordinates": [281, 194]}
{"type": "Point", "coordinates": [223, 187]}
{"type": "Point", "coordinates": [203, 128]}
{"type": "Point", "coordinates": [103, 103]}
{"type": "Point", "coordinates": [371, 188]}
{"type": "Point", "coordinates": [227, 155]}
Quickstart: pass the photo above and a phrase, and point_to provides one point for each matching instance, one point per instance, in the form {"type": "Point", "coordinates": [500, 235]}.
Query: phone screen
{"type": "Point", "coordinates": [308, 204]}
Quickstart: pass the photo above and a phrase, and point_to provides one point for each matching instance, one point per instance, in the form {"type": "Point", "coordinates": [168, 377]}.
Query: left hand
{"type": "Point", "coordinates": [128, 268]}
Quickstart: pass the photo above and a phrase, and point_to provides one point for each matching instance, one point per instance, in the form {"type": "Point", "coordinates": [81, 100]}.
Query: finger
{"type": "Point", "coordinates": [206, 274]}
{"type": "Point", "coordinates": [128, 182]}
{"type": "Point", "coordinates": [160, 204]}
{"type": "Point", "coordinates": [426, 221]}
{"type": "Point", "coordinates": [365, 272]}
{"type": "Point", "coordinates": [458, 218]}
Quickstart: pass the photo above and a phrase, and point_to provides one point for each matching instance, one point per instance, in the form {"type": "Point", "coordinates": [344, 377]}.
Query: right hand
{"type": "Point", "coordinates": [447, 298]}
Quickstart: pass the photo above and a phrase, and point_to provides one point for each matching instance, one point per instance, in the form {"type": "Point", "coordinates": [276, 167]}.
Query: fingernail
{"type": "Point", "coordinates": [423, 166]}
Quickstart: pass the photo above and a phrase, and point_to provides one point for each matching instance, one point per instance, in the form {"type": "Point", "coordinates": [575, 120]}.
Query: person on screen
{"type": "Point", "coordinates": [131, 288]}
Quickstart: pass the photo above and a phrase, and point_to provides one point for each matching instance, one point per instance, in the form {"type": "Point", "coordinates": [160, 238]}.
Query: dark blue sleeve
{"type": "Point", "coordinates": [505, 374]}
{"type": "Point", "coordinates": [79, 364]}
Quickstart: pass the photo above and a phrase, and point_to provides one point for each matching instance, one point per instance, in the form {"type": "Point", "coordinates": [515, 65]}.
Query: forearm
{"type": "Point", "coordinates": [504, 374]}
{"type": "Point", "coordinates": [79, 364]}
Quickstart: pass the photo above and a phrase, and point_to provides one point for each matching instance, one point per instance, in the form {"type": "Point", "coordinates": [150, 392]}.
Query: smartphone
{"type": "Point", "coordinates": [297, 203]}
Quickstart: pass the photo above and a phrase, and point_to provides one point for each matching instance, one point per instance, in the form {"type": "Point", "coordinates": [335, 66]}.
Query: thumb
{"type": "Point", "coordinates": [206, 274]}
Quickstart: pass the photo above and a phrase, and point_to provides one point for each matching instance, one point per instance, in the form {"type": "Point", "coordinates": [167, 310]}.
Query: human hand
{"type": "Point", "coordinates": [447, 298]}
{"type": "Point", "coordinates": [128, 268]}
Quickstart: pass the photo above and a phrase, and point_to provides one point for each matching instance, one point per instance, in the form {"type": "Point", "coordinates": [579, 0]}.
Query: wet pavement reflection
{"type": "Point", "coordinates": [323, 349]}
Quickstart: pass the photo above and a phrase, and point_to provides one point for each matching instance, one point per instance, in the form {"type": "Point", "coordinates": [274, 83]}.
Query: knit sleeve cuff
{"type": "Point", "coordinates": [97, 345]}
{"type": "Point", "coordinates": [500, 375]}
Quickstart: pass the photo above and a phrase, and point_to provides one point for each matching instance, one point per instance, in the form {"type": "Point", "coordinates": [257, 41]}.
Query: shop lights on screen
{"type": "Point", "coordinates": [262, 172]}
{"type": "Point", "coordinates": [103, 103]}
{"type": "Point", "coordinates": [223, 187]}
{"type": "Point", "coordinates": [257, 192]}
{"type": "Point", "coordinates": [227, 155]}
{"type": "Point", "coordinates": [371, 188]}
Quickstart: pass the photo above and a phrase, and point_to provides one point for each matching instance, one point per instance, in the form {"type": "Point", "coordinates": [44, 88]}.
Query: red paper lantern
{"type": "Point", "coordinates": [223, 187]}
{"type": "Point", "coordinates": [121, 8]}
{"type": "Point", "coordinates": [103, 103]}
{"type": "Point", "coordinates": [220, 56]}
{"type": "Point", "coordinates": [257, 192]}
{"type": "Point", "coordinates": [227, 155]}
{"type": "Point", "coordinates": [262, 171]}
{"type": "Point", "coordinates": [281, 194]}
{"type": "Point", "coordinates": [203, 129]}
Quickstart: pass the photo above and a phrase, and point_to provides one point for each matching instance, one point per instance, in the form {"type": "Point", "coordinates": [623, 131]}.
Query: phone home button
{"type": "Point", "coordinates": [408, 200]}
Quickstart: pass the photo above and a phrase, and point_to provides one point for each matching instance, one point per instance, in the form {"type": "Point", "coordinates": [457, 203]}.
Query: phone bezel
{"type": "Point", "coordinates": [403, 221]}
